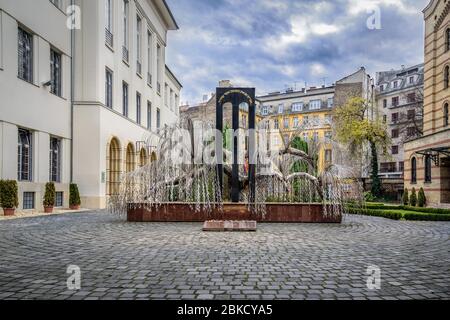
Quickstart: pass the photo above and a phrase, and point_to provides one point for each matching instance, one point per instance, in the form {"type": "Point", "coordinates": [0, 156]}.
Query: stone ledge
{"type": "Point", "coordinates": [236, 226]}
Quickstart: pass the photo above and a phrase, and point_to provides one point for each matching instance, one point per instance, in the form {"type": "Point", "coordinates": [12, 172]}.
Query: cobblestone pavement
{"type": "Point", "coordinates": [121, 260]}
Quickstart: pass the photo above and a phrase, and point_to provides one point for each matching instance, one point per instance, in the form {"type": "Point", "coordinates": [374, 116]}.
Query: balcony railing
{"type": "Point", "coordinates": [138, 67]}
{"type": "Point", "coordinates": [125, 54]}
{"type": "Point", "coordinates": [109, 38]}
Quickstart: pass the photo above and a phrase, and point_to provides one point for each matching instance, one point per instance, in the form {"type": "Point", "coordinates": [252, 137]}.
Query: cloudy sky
{"type": "Point", "coordinates": [275, 44]}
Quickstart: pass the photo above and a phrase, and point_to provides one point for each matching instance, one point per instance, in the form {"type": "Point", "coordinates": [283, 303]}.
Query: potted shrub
{"type": "Point", "coordinates": [49, 197]}
{"type": "Point", "coordinates": [405, 198]}
{"type": "Point", "coordinates": [74, 198]}
{"type": "Point", "coordinates": [9, 197]}
{"type": "Point", "coordinates": [421, 199]}
{"type": "Point", "coordinates": [413, 198]}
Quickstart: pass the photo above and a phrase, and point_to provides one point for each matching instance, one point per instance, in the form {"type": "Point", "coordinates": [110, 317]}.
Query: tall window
{"type": "Point", "coordinates": [125, 99]}
{"type": "Point", "coordinates": [280, 108]}
{"type": "Point", "coordinates": [55, 72]}
{"type": "Point", "coordinates": [138, 44]}
{"type": "Point", "coordinates": [384, 103]}
{"type": "Point", "coordinates": [446, 115]}
{"type": "Point", "coordinates": [149, 58]}
{"type": "Point", "coordinates": [55, 159]}
{"type": "Point", "coordinates": [427, 168]}
{"type": "Point", "coordinates": [125, 13]}
{"type": "Point", "coordinates": [109, 22]}
{"type": "Point", "coordinates": [138, 108]}
{"type": "Point", "coordinates": [447, 39]}
{"type": "Point", "coordinates": [276, 124]}
{"type": "Point", "coordinates": [330, 102]}
{"type": "Point", "coordinates": [109, 88]}
{"type": "Point", "coordinates": [25, 52]}
{"type": "Point", "coordinates": [446, 76]}
{"type": "Point", "coordinates": [158, 68]}
{"type": "Point", "coordinates": [286, 123]}
{"type": "Point", "coordinates": [158, 119]}
{"type": "Point", "coordinates": [24, 155]}
{"type": "Point", "coordinates": [395, 101]}
{"type": "Point", "coordinates": [149, 115]}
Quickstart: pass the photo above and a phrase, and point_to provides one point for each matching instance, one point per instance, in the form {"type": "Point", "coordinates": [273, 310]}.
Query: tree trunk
{"type": "Point", "coordinates": [376, 183]}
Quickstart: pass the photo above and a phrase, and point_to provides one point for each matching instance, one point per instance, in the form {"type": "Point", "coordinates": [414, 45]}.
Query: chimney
{"type": "Point", "coordinates": [205, 97]}
{"type": "Point", "coordinates": [225, 84]}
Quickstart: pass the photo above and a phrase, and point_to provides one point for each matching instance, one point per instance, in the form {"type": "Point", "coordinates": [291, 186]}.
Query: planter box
{"type": "Point", "coordinates": [8, 212]}
{"type": "Point", "coordinates": [48, 209]}
{"type": "Point", "coordinates": [275, 212]}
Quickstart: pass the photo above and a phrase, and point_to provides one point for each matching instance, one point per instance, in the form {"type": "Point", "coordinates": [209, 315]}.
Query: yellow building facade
{"type": "Point", "coordinates": [306, 113]}
{"type": "Point", "coordinates": [427, 159]}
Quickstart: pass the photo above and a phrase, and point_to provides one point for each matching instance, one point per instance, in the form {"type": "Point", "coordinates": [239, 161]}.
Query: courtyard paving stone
{"type": "Point", "coordinates": [121, 260]}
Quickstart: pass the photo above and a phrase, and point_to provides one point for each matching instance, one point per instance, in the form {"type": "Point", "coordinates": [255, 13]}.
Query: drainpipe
{"type": "Point", "coordinates": [72, 86]}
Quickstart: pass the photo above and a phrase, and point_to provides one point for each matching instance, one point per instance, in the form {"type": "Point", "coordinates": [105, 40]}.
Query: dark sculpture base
{"type": "Point", "coordinates": [275, 212]}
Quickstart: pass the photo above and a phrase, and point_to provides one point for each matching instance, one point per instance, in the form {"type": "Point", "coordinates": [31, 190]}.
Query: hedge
{"type": "Point", "coordinates": [389, 214]}
{"type": "Point", "coordinates": [427, 210]}
{"type": "Point", "coordinates": [426, 217]}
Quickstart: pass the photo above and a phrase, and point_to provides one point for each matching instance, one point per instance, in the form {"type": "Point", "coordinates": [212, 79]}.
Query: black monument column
{"type": "Point", "coordinates": [236, 96]}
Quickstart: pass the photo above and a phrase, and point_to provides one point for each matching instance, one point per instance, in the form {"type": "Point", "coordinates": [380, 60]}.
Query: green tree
{"type": "Point", "coordinates": [421, 199]}
{"type": "Point", "coordinates": [50, 195]}
{"type": "Point", "coordinates": [74, 198]}
{"type": "Point", "coordinates": [413, 198]}
{"type": "Point", "coordinates": [355, 129]}
{"type": "Point", "coordinates": [405, 198]}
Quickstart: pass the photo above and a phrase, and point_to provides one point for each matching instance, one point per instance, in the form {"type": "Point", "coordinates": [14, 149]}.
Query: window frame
{"type": "Point", "coordinates": [138, 108]}
{"type": "Point", "coordinates": [125, 98]}
{"type": "Point", "coordinates": [427, 168]}
{"type": "Point", "coordinates": [56, 72]}
{"type": "Point", "coordinates": [109, 84]}
{"type": "Point", "coordinates": [55, 177]}
{"type": "Point", "coordinates": [25, 175]}
{"type": "Point", "coordinates": [28, 74]}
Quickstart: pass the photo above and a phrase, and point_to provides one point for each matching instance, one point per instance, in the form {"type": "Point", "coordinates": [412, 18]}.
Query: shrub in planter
{"type": "Point", "coordinates": [421, 199]}
{"type": "Point", "coordinates": [9, 196]}
{"type": "Point", "coordinates": [405, 198]}
{"type": "Point", "coordinates": [74, 200]}
{"type": "Point", "coordinates": [49, 197]}
{"type": "Point", "coordinates": [413, 198]}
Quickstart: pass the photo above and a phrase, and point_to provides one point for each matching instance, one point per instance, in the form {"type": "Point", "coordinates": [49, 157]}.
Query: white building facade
{"type": "Point", "coordinates": [122, 93]}
{"type": "Point", "coordinates": [35, 107]}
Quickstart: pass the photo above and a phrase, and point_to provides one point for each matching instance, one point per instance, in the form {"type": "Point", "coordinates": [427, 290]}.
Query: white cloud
{"type": "Point", "coordinates": [317, 69]}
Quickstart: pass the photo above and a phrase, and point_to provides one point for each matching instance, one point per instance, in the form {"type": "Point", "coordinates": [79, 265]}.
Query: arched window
{"type": "Point", "coordinates": [427, 168]}
{"type": "Point", "coordinates": [446, 115]}
{"type": "Point", "coordinates": [114, 167]}
{"type": "Point", "coordinates": [130, 161]}
{"type": "Point", "coordinates": [142, 158]}
{"type": "Point", "coordinates": [447, 39]}
{"type": "Point", "coordinates": [446, 76]}
{"type": "Point", "coordinates": [413, 170]}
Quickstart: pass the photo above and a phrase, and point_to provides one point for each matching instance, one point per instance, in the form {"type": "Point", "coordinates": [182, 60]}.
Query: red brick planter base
{"type": "Point", "coordinates": [275, 212]}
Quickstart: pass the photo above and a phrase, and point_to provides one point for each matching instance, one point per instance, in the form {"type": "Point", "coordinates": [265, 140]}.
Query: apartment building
{"type": "Point", "coordinates": [399, 99]}
{"type": "Point", "coordinates": [123, 92]}
{"type": "Point", "coordinates": [35, 108]}
{"type": "Point", "coordinates": [427, 158]}
{"type": "Point", "coordinates": [307, 113]}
